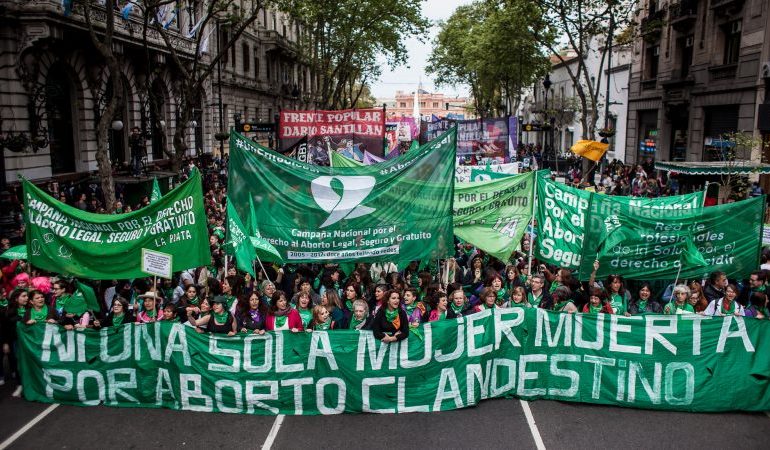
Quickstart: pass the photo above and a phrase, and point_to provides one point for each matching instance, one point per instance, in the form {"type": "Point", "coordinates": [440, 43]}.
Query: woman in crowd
{"type": "Point", "coordinates": [251, 314]}
{"type": "Point", "coordinates": [644, 304]}
{"type": "Point", "coordinates": [280, 316]}
{"type": "Point", "coordinates": [451, 272]}
{"type": "Point", "coordinates": [697, 299]}
{"type": "Point", "coordinates": [560, 301]}
{"type": "Point", "coordinates": [414, 311]}
{"type": "Point", "coordinates": [475, 275]}
{"type": "Point", "coordinates": [150, 308]}
{"type": "Point", "coordinates": [189, 303]}
{"type": "Point", "coordinates": [518, 298]}
{"type": "Point", "coordinates": [331, 300]}
{"type": "Point", "coordinates": [305, 309]}
{"type": "Point", "coordinates": [440, 309]}
{"type": "Point", "coordinates": [118, 315]}
{"type": "Point", "coordinates": [220, 321]}
{"type": "Point", "coordinates": [391, 324]}
{"type": "Point", "coordinates": [726, 306]}
{"type": "Point", "coordinates": [378, 298]}
{"type": "Point", "coordinates": [459, 305]}
{"type": "Point", "coordinates": [350, 294]}
{"type": "Point", "coordinates": [617, 294]}
{"type": "Point", "coordinates": [322, 320]}
{"type": "Point", "coordinates": [424, 280]}
{"type": "Point", "coordinates": [38, 312]}
{"type": "Point", "coordinates": [487, 300]}
{"type": "Point", "coordinates": [679, 304]}
{"type": "Point", "coordinates": [268, 290]}
{"type": "Point", "coordinates": [360, 320]}
{"type": "Point", "coordinates": [227, 287]}
{"type": "Point", "coordinates": [512, 278]}
{"type": "Point", "coordinates": [597, 302]}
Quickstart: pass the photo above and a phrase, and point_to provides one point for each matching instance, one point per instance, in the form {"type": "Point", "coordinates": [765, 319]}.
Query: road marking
{"type": "Point", "coordinates": [273, 432]}
{"type": "Point", "coordinates": [26, 427]}
{"type": "Point", "coordinates": [532, 425]}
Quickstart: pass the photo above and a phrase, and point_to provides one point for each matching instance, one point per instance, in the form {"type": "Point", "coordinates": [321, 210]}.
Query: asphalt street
{"type": "Point", "coordinates": [493, 424]}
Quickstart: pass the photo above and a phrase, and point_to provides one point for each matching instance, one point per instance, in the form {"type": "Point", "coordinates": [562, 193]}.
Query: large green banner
{"type": "Point", "coordinates": [562, 213]}
{"type": "Point", "coordinates": [69, 241]}
{"type": "Point", "coordinates": [492, 215]}
{"type": "Point", "coordinates": [400, 210]}
{"type": "Point", "coordinates": [689, 363]}
{"type": "Point", "coordinates": [640, 242]}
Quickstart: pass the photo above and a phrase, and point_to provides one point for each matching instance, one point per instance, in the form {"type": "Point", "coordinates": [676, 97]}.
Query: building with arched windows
{"type": "Point", "coordinates": [54, 86]}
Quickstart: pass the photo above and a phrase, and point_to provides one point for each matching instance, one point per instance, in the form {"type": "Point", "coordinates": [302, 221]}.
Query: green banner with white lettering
{"type": "Point", "coordinates": [685, 362]}
{"type": "Point", "coordinates": [69, 241]}
{"type": "Point", "coordinates": [399, 210]}
{"type": "Point", "coordinates": [642, 242]}
{"type": "Point", "coordinates": [493, 215]}
{"type": "Point", "coordinates": [562, 213]}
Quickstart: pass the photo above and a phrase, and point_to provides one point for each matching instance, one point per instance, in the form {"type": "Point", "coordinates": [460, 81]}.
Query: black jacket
{"type": "Point", "coordinates": [381, 325]}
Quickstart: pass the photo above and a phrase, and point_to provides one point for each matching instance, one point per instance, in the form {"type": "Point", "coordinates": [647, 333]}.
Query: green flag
{"type": "Point", "coordinates": [487, 174]}
{"type": "Point", "coordinates": [398, 210]}
{"type": "Point", "coordinates": [238, 243]}
{"type": "Point", "coordinates": [155, 195]}
{"type": "Point", "coordinates": [66, 240]}
{"type": "Point", "coordinates": [493, 215]}
{"type": "Point", "coordinates": [251, 220]}
{"type": "Point", "coordinates": [338, 160]}
{"type": "Point", "coordinates": [88, 293]}
{"type": "Point", "coordinates": [653, 243]}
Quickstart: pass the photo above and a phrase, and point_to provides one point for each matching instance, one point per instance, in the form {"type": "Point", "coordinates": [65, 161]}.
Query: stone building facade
{"type": "Point", "coordinates": [53, 85]}
{"type": "Point", "coordinates": [699, 71]}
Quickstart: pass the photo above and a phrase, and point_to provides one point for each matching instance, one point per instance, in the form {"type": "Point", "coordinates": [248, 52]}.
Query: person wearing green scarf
{"type": "Point", "coordinates": [220, 321]}
{"type": "Point", "coordinates": [597, 302]}
{"type": "Point", "coordinates": [487, 298]}
{"type": "Point", "coordinates": [119, 314]}
{"type": "Point", "coordinates": [227, 292]}
{"type": "Point", "coordinates": [413, 312]}
{"type": "Point", "coordinates": [360, 319]}
{"type": "Point", "coordinates": [322, 319]}
{"type": "Point", "coordinates": [350, 294]}
{"type": "Point", "coordinates": [459, 303]}
{"type": "Point", "coordinates": [518, 298]}
{"type": "Point", "coordinates": [441, 309]}
{"type": "Point", "coordinates": [305, 309]}
{"type": "Point", "coordinates": [38, 312]}
{"type": "Point", "coordinates": [679, 304]}
{"type": "Point", "coordinates": [149, 312]}
{"type": "Point", "coordinates": [644, 304]}
{"type": "Point", "coordinates": [617, 295]}
{"type": "Point", "coordinates": [281, 316]}
{"type": "Point", "coordinates": [391, 323]}
{"type": "Point", "coordinates": [727, 305]}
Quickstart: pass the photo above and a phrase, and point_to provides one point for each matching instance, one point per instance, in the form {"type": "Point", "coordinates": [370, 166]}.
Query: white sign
{"type": "Point", "coordinates": [156, 263]}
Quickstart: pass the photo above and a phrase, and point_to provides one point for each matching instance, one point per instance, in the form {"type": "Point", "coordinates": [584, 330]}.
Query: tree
{"type": "Point", "coordinates": [345, 40]}
{"type": "Point", "coordinates": [583, 26]}
{"type": "Point", "coordinates": [734, 149]}
{"type": "Point", "coordinates": [191, 69]}
{"type": "Point", "coordinates": [102, 41]}
{"type": "Point", "coordinates": [481, 46]}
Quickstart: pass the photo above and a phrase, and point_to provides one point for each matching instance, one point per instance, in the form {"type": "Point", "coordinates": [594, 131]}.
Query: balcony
{"type": "Point", "coordinates": [683, 15]}
{"type": "Point", "coordinates": [724, 72]}
{"type": "Point", "coordinates": [273, 38]}
{"type": "Point", "coordinates": [648, 85]}
{"type": "Point", "coordinates": [720, 4]}
{"type": "Point", "coordinates": [651, 26]}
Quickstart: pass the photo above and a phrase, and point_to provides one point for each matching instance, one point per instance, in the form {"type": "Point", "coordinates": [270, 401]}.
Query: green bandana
{"type": "Point", "coordinates": [118, 320]}
{"type": "Point", "coordinates": [456, 309]}
{"type": "Point", "coordinates": [442, 315]}
{"type": "Point", "coordinates": [280, 321]}
{"type": "Point", "coordinates": [513, 304]}
{"type": "Point", "coordinates": [618, 304]}
{"type": "Point", "coordinates": [306, 315]}
{"type": "Point", "coordinates": [39, 316]}
{"type": "Point", "coordinates": [727, 312]}
{"type": "Point", "coordinates": [501, 295]}
{"type": "Point", "coordinates": [4, 303]}
{"type": "Point", "coordinates": [195, 301]}
{"type": "Point", "coordinates": [21, 311]}
{"type": "Point", "coordinates": [391, 315]}
{"type": "Point", "coordinates": [221, 318]}
{"type": "Point", "coordinates": [349, 305]}
{"type": "Point", "coordinates": [61, 300]}
{"type": "Point", "coordinates": [559, 306]}
{"type": "Point", "coordinates": [534, 301]}
{"type": "Point", "coordinates": [152, 313]}
{"type": "Point", "coordinates": [230, 300]}
{"type": "Point", "coordinates": [642, 306]}
{"type": "Point", "coordinates": [410, 309]}
{"type": "Point", "coordinates": [323, 325]}
{"type": "Point", "coordinates": [554, 285]}
{"type": "Point", "coordinates": [594, 309]}
{"type": "Point", "coordinates": [354, 323]}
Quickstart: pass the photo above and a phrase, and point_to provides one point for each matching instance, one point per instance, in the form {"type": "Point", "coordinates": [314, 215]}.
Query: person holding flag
{"type": "Point", "coordinates": [679, 304]}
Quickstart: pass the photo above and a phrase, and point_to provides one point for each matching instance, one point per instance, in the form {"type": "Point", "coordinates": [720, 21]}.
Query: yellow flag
{"type": "Point", "coordinates": [592, 150]}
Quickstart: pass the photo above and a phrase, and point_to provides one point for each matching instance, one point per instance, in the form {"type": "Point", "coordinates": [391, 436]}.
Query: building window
{"type": "Point", "coordinates": [732, 36]}
{"type": "Point", "coordinates": [232, 55]}
{"type": "Point", "coordinates": [246, 59]}
{"type": "Point", "coordinates": [284, 30]}
{"type": "Point", "coordinates": [686, 50]}
{"type": "Point", "coordinates": [402, 105]}
{"type": "Point", "coordinates": [256, 64]}
{"type": "Point", "coordinates": [651, 62]}
{"type": "Point", "coordinates": [435, 104]}
{"type": "Point", "coordinates": [422, 104]}
{"type": "Point", "coordinates": [718, 122]}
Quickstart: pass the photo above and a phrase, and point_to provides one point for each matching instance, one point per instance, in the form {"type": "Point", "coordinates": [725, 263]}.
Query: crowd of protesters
{"type": "Point", "coordinates": [390, 300]}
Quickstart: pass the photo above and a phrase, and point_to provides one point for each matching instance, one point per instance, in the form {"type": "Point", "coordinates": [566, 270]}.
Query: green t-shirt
{"type": "Point", "coordinates": [618, 304]}
{"type": "Point", "coordinates": [672, 308]}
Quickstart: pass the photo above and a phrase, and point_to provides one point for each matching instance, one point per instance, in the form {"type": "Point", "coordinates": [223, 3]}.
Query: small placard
{"type": "Point", "coordinates": [157, 263]}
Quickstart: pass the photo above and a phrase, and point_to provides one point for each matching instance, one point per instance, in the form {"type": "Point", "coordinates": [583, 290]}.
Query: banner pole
{"type": "Point", "coordinates": [263, 269]}
{"type": "Point", "coordinates": [676, 280]}
{"type": "Point", "coordinates": [226, 258]}
{"type": "Point", "coordinates": [532, 224]}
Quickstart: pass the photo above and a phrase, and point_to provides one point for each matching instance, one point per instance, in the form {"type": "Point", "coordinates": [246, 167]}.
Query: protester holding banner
{"type": "Point", "coordinates": [391, 323]}
{"type": "Point", "coordinates": [118, 315]}
{"type": "Point", "coordinates": [38, 312]}
{"type": "Point", "coordinates": [537, 294]}
{"type": "Point", "coordinates": [598, 302]}
{"type": "Point", "coordinates": [487, 300]}
{"type": "Point", "coordinates": [727, 305]}
{"type": "Point", "coordinates": [280, 316]}
{"type": "Point", "coordinates": [679, 304]}
{"type": "Point", "coordinates": [697, 299]}
{"type": "Point", "coordinates": [414, 309]}
{"type": "Point", "coordinates": [361, 319]}
{"type": "Point", "coordinates": [304, 308]}
{"type": "Point", "coordinates": [643, 303]}
{"type": "Point", "coordinates": [439, 309]}
{"type": "Point", "coordinates": [322, 320]}
{"type": "Point", "coordinates": [150, 311]}
{"type": "Point", "coordinates": [459, 303]}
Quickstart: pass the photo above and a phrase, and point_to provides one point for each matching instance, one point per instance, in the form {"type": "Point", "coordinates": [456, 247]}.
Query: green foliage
{"type": "Point", "coordinates": [483, 46]}
{"type": "Point", "coordinates": [347, 38]}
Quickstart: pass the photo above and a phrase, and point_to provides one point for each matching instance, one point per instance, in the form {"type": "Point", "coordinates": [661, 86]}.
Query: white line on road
{"type": "Point", "coordinates": [532, 425]}
{"type": "Point", "coordinates": [273, 432]}
{"type": "Point", "coordinates": [26, 427]}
